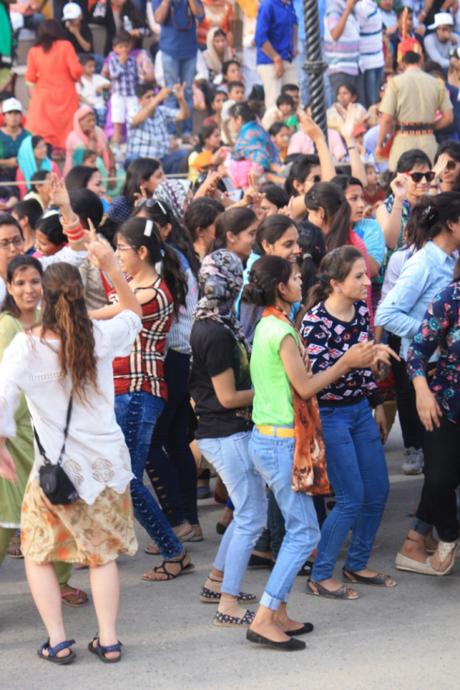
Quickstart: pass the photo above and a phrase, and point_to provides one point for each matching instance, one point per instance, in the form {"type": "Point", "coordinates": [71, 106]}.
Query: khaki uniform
{"type": "Point", "coordinates": [414, 97]}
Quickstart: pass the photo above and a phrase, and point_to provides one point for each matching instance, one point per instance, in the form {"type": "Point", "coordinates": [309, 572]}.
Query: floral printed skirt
{"type": "Point", "coordinates": [77, 533]}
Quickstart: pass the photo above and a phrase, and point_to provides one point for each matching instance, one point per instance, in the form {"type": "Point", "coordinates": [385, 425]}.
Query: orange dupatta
{"type": "Point", "coordinates": [309, 473]}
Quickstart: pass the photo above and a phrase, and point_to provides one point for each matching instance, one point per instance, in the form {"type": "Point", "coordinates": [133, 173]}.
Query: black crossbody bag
{"type": "Point", "coordinates": [53, 479]}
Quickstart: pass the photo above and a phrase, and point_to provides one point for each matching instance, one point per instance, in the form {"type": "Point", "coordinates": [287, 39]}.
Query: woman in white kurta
{"type": "Point", "coordinates": [69, 356]}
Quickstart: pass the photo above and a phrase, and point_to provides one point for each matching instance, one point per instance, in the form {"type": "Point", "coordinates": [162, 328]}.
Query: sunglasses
{"type": "Point", "coordinates": [418, 176]}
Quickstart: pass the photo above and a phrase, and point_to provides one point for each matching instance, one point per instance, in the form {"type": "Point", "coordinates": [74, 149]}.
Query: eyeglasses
{"type": "Point", "coordinates": [14, 242]}
{"type": "Point", "coordinates": [124, 247]}
{"type": "Point", "coordinates": [418, 176]}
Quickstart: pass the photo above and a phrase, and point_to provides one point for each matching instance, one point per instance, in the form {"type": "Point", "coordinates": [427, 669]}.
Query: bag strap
{"type": "Point", "coordinates": [66, 431]}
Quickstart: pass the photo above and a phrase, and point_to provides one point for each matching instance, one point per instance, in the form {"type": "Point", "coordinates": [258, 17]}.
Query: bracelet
{"type": "Point", "coordinates": [350, 148]}
{"type": "Point", "coordinates": [76, 237]}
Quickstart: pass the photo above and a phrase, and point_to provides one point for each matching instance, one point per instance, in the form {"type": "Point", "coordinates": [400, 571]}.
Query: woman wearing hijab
{"type": "Point", "coordinates": [32, 158]}
{"type": "Point", "coordinates": [221, 387]}
{"type": "Point", "coordinates": [86, 135]}
{"type": "Point", "coordinates": [210, 61]}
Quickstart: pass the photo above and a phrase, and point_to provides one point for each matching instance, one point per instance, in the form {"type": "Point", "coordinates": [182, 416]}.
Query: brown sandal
{"type": "Point", "coordinates": [73, 597]}
{"type": "Point", "coordinates": [162, 570]}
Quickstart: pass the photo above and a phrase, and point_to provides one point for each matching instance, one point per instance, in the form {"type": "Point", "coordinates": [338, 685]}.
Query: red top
{"type": "Point", "coordinates": [357, 242]}
{"type": "Point", "coordinates": [143, 369]}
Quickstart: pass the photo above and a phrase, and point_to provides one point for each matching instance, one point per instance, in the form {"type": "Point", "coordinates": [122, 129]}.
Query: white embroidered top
{"type": "Point", "coordinates": [96, 455]}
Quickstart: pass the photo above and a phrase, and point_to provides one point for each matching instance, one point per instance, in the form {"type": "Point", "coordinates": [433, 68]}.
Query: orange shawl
{"type": "Point", "coordinates": [309, 473]}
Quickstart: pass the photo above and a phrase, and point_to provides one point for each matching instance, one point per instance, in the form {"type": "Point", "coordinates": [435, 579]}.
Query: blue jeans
{"type": "Point", "coordinates": [358, 473]}
{"type": "Point", "coordinates": [180, 72]}
{"type": "Point", "coordinates": [171, 466]}
{"type": "Point", "coordinates": [230, 457]}
{"type": "Point", "coordinates": [372, 78]}
{"type": "Point", "coordinates": [273, 457]}
{"type": "Point", "coordinates": [137, 414]}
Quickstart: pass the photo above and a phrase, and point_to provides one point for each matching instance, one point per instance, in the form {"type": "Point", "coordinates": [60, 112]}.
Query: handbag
{"type": "Point", "coordinates": [53, 480]}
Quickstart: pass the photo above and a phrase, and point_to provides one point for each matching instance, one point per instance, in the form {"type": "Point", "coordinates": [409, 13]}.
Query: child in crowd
{"type": "Point", "coordinates": [235, 95]}
{"type": "Point", "coordinates": [217, 103]}
{"type": "Point", "coordinates": [91, 88]}
{"type": "Point", "coordinates": [373, 191]}
{"type": "Point", "coordinates": [282, 112]}
{"type": "Point", "coordinates": [49, 236]}
{"type": "Point", "coordinates": [123, 73]}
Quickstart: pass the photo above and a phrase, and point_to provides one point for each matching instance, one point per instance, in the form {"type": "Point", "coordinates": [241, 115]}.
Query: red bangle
{"type": "Point", "coordinates": [75, 234]}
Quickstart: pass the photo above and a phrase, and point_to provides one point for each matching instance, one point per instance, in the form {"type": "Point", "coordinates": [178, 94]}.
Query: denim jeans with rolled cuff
{"type": "Point", "coordinates": [137, 414]}
{"type": "Point", "coordinates": [230, 457]}
{"type": "Point", "coordinates": [273, 458]}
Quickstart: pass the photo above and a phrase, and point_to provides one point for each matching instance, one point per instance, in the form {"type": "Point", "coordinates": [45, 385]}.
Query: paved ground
{"type": "Point", "coordinates": [401, 639]}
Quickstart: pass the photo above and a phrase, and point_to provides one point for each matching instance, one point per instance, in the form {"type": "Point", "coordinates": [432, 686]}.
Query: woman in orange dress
{"type": "Point", "coordinates": [52, 71]}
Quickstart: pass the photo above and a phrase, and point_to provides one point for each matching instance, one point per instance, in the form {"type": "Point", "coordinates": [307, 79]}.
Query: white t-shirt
{"type": "Point", "coordinates": [86, 89]}
{"type": "Point", "coordinates": [96, 454]}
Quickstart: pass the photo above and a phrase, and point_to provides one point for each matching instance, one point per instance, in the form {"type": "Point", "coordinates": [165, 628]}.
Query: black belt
{"type": "Point", "coordinates": [415, 128]}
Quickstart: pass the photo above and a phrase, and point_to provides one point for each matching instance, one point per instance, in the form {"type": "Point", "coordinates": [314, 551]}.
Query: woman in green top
{"type": "Point", "coordinates": [24, 285]}
{"type": "Point", "coordinates": [281, 377]}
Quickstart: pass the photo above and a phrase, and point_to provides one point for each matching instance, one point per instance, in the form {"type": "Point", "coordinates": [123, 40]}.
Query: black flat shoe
{"type": "Point", "coordinates": [306, 628]}
{"type": "Point", "coordinates": [291, 645]}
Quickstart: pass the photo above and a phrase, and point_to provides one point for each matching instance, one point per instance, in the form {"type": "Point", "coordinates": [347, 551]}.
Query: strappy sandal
{"type": "Point", "coordinates": [162, 570]}
{"type": "Point", "coordinates": [224, 620]}
{"type": "Point", "coordinates": [73, 597]}
{"type": "Point", "coordinates": [379, 580]}
{"type": "Point", "coordinates": [318, 590]}
{"type": "Point", "coordinates": [53, 652]}
{"type": "Point", "coordinates": [101, 651]}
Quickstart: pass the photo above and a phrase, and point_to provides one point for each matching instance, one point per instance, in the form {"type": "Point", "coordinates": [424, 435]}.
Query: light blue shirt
{"type": "Point", "coordinates": [425, 274]}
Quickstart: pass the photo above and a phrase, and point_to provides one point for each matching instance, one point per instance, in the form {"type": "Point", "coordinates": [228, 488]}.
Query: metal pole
{"type": "Point", "coordinates": [314, 65]}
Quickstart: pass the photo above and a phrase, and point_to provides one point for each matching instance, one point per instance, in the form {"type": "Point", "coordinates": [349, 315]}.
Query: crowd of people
{"type": "Point", "coordinates": [195, 279]}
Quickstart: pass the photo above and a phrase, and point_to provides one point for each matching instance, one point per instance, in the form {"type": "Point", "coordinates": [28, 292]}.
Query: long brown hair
{"type": "Point", "coordinates": [65, 313]}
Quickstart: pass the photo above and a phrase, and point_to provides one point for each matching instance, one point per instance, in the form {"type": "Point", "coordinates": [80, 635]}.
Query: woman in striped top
{"type": "Point", "coordinates": [140, 386]}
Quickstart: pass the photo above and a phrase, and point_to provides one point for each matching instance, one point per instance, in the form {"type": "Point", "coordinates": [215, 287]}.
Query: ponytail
{"type": "Point", "coordinates": [430, 216]}
{"type": "Point", "coordinates": [65, 313]}
{"type": "Point", "coordinates": [336, 265]}
{"type": "Point", "coordinates": [265, 276]}
{"type": "Point", "coordinates": [141, 232]}
{"type": "Point", "coordinates": [331, 198]}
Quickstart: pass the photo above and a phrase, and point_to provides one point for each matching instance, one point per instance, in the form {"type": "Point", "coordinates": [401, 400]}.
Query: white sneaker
{"type": "Point", "coordinates": [413, 464]}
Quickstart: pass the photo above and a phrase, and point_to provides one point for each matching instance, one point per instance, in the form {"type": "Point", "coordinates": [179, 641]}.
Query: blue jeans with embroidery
{"type": "Point", "coordinates": [358, 473]}
{"type": "Point", "coordinates": [230, 457]}
{"type": "Point", "coordinates": [137, 414]}
{"type": "Point", "coordinates": [273, 457]}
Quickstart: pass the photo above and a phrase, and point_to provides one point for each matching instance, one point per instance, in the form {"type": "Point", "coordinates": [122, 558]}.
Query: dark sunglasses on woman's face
{"type": "Point", "coordinates": [418, 176]}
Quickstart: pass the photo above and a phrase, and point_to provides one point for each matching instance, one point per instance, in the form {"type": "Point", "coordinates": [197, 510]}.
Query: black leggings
{"type": "Point", "coordinates": [411, 427]}
{"type": "Point", "coordinates": [438, 502]}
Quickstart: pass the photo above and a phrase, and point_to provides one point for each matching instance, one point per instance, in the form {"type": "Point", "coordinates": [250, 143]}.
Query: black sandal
{"type": "Point", "coordinates": [318, 590]}
{"type": "Point", "coordinates": [54, 651]}
{"type": "Point", "coordinates": [378, 580]}
{"type": "Point", "coordinates": [101, 651]}
{"type": "Point", "coordinates": [161, 569]}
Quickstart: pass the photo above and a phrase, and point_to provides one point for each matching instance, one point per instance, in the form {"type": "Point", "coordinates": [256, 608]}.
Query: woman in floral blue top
{"type": "Point", "coordinates": [252, 141]}
{"type": "Point", "coordinates": [438, 405]}
{"type": "Point", "coordinates": [356, 463]}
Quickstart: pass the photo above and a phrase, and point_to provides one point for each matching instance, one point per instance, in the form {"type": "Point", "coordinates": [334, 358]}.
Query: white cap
{"type": "Point", "coordinates": [10, 105]}
{"type": "Point", "coordinates": [440, 19]}
{"type": "Point", "coordinates": [71, 11]}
